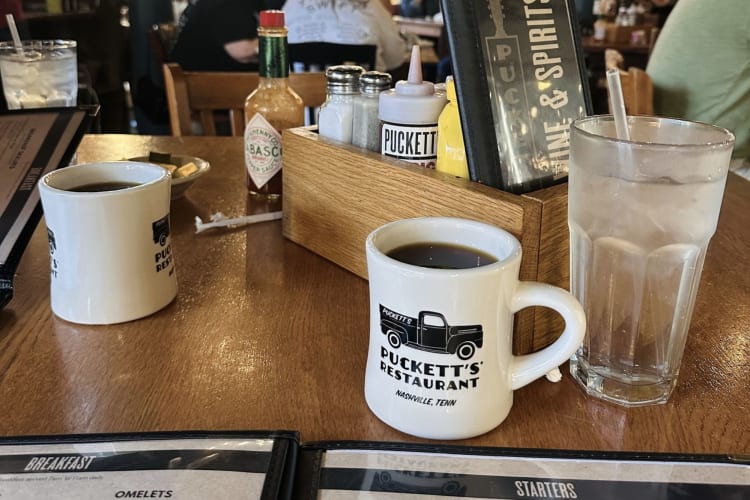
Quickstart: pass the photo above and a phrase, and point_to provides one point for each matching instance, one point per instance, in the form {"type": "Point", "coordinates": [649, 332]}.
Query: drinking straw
{"type": "Point", "coordinates": [220, 220]}
{"type": "Point", "coordinates": [618, 104]}
{"type": "Point", "coordinates": [14, 33]}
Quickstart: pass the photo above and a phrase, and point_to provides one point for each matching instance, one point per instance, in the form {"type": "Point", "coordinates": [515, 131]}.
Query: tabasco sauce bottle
{"type": "Point", "coordinates": [270, 108]}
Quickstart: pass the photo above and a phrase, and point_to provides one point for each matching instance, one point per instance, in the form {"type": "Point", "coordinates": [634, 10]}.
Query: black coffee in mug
{"type": "Point", "coordinates": [98, 187]}
{"type": "Point", "coordinates": [441, 256]}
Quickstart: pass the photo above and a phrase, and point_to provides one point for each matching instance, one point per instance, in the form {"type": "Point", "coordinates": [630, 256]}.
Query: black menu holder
{"type": "Point", "coordinates": [35, 141]}
{"type": "Point", "coordinates": [520, 82]}
{"type": "Point", "coordinates": [411, 471]}
{"type": "Point", "coordinates": [181, 465]}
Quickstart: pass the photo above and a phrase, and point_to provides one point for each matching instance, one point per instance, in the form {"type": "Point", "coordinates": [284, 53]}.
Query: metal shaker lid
{"type": "Point", "coordinates": [374, 82]}
{"type": "Point", "coordinates": [343, 79]}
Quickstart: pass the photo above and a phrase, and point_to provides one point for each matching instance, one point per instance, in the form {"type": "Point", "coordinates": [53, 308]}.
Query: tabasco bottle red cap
{"type": "Point", "coordinates": [272, 18]}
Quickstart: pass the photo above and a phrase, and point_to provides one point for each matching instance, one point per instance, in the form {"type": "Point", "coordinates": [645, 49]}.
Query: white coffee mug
{"type": "Point", "coordinates": [110, 251]}
{"type": "Point", "coordinates": [440, 362]}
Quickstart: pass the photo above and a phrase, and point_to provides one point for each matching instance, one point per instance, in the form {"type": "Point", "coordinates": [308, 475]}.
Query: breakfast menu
{"type": "Point", "coordinates": [34, 142]}
{"type": "Point", "coordinates": [192, 467]}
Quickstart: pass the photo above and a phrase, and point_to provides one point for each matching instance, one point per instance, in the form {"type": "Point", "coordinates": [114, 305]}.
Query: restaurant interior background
{"type": "Point", "coordinates": [110, 45]}
{"type": "Point", "coordinates": [217, 360]}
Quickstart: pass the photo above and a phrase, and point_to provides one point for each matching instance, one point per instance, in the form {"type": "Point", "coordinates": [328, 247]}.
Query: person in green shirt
{"type": "Point", "coordinates": [700, 66]}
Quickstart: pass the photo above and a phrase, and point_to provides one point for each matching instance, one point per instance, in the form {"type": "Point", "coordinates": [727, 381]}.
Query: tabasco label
{"type": "Point", "coordinates": [262, 150]}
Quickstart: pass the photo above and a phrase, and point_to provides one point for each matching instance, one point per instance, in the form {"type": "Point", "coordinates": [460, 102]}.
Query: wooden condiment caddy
{"type": "Point", "coordinates": [334, 195]}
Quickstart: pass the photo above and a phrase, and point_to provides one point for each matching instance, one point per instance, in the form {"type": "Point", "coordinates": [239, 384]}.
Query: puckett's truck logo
{"type": "Point", "coordinates": [163, 257]}
{"type": "Point", "coordinates": [160, 228]}
{"type": "Point", "coordinates": [430, 332]}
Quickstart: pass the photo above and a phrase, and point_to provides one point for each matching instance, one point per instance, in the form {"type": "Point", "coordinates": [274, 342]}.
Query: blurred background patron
{"type": "Point", "coordinates": [147, 82]}
{"type": "Point", "coordinates": [700, 66]}
{"type": "Point", "coordinates": [218, 35]}
{"type": "Point", "coordinates": [352, 22]}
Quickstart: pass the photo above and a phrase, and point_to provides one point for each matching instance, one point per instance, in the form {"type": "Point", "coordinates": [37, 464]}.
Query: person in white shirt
{"type": "Point", "coordinates": [352, 22]}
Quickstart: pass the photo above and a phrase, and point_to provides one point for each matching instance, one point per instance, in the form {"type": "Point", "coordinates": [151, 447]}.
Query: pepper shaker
{"type": "Point", "coordinates": [365, 121]}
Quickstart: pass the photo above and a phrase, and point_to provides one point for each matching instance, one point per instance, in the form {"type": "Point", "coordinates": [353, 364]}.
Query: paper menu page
{"type": "Point", "coordinates": [410, 475]}
{"type": "Point", "coordinates": [174, 468]}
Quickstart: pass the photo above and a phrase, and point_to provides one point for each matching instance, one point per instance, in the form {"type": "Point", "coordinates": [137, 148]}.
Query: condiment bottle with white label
{"type": "Point", "coordinates": [409, 116]}
{"type": "Point", "coordinates": [270, 108]}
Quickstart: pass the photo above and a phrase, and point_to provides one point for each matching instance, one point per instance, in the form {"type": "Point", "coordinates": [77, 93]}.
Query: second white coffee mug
{"type": "Point", "coordinates": [440, 362]}
{"type": "Point", "coordinates": [109, 238]}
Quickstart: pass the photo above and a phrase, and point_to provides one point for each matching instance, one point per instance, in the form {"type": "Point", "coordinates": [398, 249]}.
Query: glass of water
{"type": "Point", "coordinates": [42, 74]}
{"type": "Point", "coordinates": [641, 214]}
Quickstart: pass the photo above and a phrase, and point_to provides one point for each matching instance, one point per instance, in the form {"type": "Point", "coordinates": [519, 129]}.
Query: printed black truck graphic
{"type": "Point", "coordinates": [430, 332]}
{"type": "Point", "coordinates": [161, 230]}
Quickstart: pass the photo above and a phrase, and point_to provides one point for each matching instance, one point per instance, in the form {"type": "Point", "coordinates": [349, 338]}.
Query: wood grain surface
{"type": "Point", "coordinates": [265, 334]}
{"type": "Point", "coordinates": [336, 194]}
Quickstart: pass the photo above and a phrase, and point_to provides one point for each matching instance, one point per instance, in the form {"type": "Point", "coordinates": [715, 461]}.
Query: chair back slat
{"type": "Point", "coordinates": [206, 93]}
{"type": "Point", "coordinates": [208, 122]}
{"type": "Point", "coordinates": [237, 121]}
{"type": "Point", "coordinates": [311, 87]}
{"type": "Point", "coordinates": [176, 89]}
{"type": "Point", "coordinates": [637, 87]}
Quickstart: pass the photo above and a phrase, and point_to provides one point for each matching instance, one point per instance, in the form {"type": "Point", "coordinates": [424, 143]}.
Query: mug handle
{"type": "Point", "coordinates": [529, 367]}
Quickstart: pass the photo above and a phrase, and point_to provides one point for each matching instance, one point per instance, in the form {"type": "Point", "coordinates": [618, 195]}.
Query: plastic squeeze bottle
{"type": "Point", "coordinates": [409, 115]}
{"type": "Point", "coordinates": [272, 107]}
{"type": "Point", "coordinates": [451, 154]}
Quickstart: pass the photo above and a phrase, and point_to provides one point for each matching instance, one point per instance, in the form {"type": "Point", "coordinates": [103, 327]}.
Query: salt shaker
{"type": "Point", "coordinates": [335, 115]}
{"type": "Point", "coordinates": [365, 121]}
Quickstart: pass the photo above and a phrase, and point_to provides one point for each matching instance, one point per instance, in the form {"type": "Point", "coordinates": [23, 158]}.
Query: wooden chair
{"type": "Point", "coordinates": [637, 88]}
{"type": "Point", "coordinates": [317, 56]}
{"type": "Point", "coordinates": [207, 93]}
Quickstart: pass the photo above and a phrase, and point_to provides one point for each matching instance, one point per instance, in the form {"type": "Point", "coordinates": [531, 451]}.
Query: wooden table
{"type": "Point", "coordinates": [421, 27]}
{"type": "Point", "coordinates": [591, 45]}
{"type": "Point", "coordinates": [427, 54]}
{"type": "Point", "coordinates": [267, 335]}
{"type": "Point", "coordinates": [633, 55]}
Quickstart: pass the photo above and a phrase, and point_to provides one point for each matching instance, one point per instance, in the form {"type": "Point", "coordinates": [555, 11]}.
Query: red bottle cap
{"type": "Point", "coordinates": [272, 18]}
